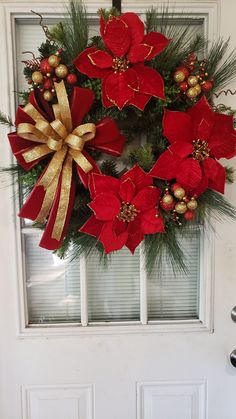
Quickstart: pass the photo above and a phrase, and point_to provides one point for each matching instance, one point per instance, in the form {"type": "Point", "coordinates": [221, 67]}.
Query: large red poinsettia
{"type": "Point", "coordinates": [124, 209]}
{"type": "Point", "coordinates": [125, 78]}
{"type": "Point", "coordinates": [198, 137]}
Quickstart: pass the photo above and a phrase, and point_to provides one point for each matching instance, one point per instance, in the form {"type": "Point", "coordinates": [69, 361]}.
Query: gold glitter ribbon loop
{"type": "Point", "coordinates": [67, 144]}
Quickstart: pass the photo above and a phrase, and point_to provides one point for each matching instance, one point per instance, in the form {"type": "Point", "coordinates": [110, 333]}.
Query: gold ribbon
{"type": "Point", "coordinates": [57, 137]}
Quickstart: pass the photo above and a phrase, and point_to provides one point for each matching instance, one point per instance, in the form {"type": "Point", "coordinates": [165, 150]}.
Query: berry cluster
{"type": "Point", "coordinates": [192, 78]}
{"type": "Point", "coordinates": [51, 70]}
{"type": "Point", "coordinates": [176, 201]}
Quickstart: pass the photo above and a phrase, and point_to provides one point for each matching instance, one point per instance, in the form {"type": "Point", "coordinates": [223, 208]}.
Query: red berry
{"type": "Point", "coordinates": [183, 86]}
{"type": "Point", "coordinates": [71, 78]}
{"type": "Point", "coordinates": [207, 86]}
{"type": "Point", "coordinates": [45, 67]}
{"type": "Point", "coordinates": [48, 84]}
{"type": "Point", "coordinates": [189, 215]}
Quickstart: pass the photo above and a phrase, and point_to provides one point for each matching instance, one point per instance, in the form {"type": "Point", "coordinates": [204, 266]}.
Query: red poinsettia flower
{"type": "Point", "coordinates": [125, 78]}
{"type": "Point", "coordinates": [124, 209]}
{"type": "Point", "coordinates": [198, 137]}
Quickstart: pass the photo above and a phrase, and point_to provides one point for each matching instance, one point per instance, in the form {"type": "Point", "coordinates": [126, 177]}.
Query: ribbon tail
{"type": "Point", "coordinates": [84, 177]}
{"type": "Point", "coordinates": [60, 214]}
{"type": "Point", "coordinates": [39, 201]}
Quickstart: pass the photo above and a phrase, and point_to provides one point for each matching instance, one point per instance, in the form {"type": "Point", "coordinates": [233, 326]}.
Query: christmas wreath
{"type": "Point", "coordinates": [117, 139]}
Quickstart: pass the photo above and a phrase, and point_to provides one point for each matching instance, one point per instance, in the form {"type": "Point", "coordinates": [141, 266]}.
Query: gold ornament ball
{"type": "Point", "coordinates": [192, 204]}
{"type": "Point", "coordinates": [37, 77]}
{"type": "Point", "coordinates": [179, 193]}
{"type": "Point", "coordinates": [198, 88]}
{"type": "Point", "coordinates": [192, 93]}
{"type": "Point", "coordinates": [167, 199]}
{"type": "Point", "coordinates": [54, 60]}
{"type": "Point", "coordinates": [47, 95]}
{"type": "Point", "coordinates": [179, 76]}
{"type": "Point", "coordinates": [61, 71]}
{"type": "Point", "coordinates": [192, 81]}
{"type": "Point", "coordinates": [181, 207]}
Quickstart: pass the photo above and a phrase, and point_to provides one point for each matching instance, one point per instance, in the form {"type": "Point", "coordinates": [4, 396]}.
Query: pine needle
{"type": "Point", "coordinates": [164, 248]}
{"type": "Point", "coordinates": [5, 120]}
{"type": "Point", "coordinates": [184, 38]}
{"type": "Point", "coordinates": [72, 33]}
{"type": "Point", "coordinates": [220, 67]}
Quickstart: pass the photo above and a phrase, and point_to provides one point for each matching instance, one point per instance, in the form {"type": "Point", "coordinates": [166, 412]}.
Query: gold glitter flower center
{"type": "Point", "coordinates": [127, 213]}
{"type": "Point", "coordinates": [201, 150]}
{"type": "Point", "coordinates": [120, 64]}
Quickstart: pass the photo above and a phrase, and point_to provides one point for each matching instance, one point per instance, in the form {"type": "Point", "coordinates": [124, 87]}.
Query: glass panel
{"type": "Point", "coordinates": [52, 284]}
{"type": "Point", "coordinates": [114, 293]}
{"type": "Point", "coordinates": [176, 296]}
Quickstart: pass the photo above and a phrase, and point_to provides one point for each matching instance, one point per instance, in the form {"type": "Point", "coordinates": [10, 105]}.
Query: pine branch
{"type": "Point", "coordinates": [221, 69]}
{"type": "Point", "coordinates": [72, 33]}
{"type": "Point", "coordinates": [164, 248]}
{"type": "Point", "coordinates": [5, 120]}
{"type": "Point", "coordinates": [183, 38]}
{"type": "Point", "coordinates": [214, 205]}
{"type": "Point", "coordinates": [143, 156]}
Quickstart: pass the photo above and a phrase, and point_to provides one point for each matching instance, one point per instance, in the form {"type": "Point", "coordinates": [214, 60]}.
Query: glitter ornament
{"type": "Point", "coordinates": [179, 193]}
{"type": "Point", "coordinates": [179, 76]}
{"type": "Point", "coordinates": [37, 77]}
{"type": "Point", "coordinates": [54, 60]}
{"type": "Point", "coordinates": [192, 204]}
{"type": "Point", "coordinates": [47, 95]}
{"type": "Point", "coordinates": [45, 67]}
{"type": "Point", "coordinates": [189, 215]}
{"type": "Point", "coordinates": [167, 207]}
{"type": "Point", "coordinates": [181, 207]}
{"type": "Point", "coordinates": [167, 199]}
{"type": "Point", "coordinates": [198, 88]}
{"type": "Point", "coordinates": [183, 86]}
{"type": "Point", "coordinates": [206, 85]}
{"type": "Point", "coordinates": [175, 186]}
{"type": "Point", "coordinates": [192, 93]}
{"type": "Point", "coordinates": [61, 71]}
{"type": "Point", "coordinates": [47, 84]}
{"type": "Point", "coordinates": [192, 81]}
{"type": "Point", "coordinates": [71, 79]}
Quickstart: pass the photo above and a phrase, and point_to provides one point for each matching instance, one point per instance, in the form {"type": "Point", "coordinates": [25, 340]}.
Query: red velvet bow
{"type": "Point", "coordinates": [107, 139]}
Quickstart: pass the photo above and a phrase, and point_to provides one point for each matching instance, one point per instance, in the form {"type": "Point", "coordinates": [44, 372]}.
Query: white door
{"type": "Point", "coordinates": [81, 343]}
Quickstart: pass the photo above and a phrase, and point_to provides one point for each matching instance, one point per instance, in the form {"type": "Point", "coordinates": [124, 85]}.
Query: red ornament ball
{"type": "Point", "coordinates": [175, 186]}
{"type": "Point", "coordinates": [184, 70]}
{"type": "Point", "coordinates": [167, 207]}
{"type": "Point", "coordinates": [48, 84]}
{"type": "Point", "coordinates": [183, 86]}
{"type": "Point", "coordinates": [71, 78]}
{"type": "Point", "coordinates": [45, 67]}
{"type": "Point", "coordinates": [189, 215]}
{"type": "Point", "coordinates": [207, 86]}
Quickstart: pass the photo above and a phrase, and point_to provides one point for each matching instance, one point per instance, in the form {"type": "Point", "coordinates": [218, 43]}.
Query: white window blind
{"type": "Point", "coordinates": [176, 296]}
{"type": "Point", "coordinates": [113, 293]}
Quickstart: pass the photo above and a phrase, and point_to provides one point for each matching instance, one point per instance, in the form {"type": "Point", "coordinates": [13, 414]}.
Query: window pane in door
{"type": "Point", "coordinates": [114, 292]}
{"type": "Point", "coordinates": [52, 285]}
{"type": "Point", "coordinates": [176, 297]}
